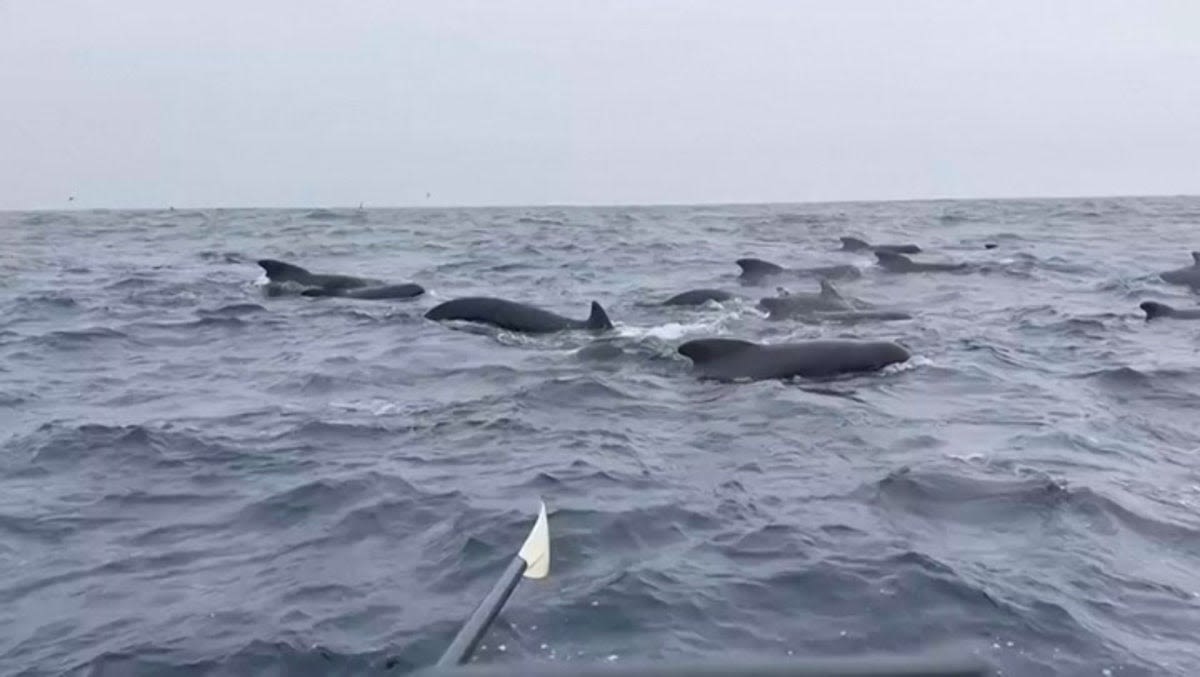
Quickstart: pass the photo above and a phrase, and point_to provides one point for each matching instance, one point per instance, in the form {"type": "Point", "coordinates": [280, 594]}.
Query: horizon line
{"type": "Point", "coordinates": [616, 205]}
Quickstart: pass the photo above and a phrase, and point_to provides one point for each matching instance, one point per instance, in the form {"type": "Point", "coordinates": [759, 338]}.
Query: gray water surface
{"type": "Point", "coordinates": [196, 478]}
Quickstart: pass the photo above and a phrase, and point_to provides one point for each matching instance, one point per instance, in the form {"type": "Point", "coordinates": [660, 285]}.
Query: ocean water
{"type": "Point", "coordinates": [198, 479]}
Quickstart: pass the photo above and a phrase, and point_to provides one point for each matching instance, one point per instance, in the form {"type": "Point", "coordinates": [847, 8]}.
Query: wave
{"type": "Point", "coordinates": [224, 257]}
{"type": "Point", "coordinates": [80, 339]}
{"type": "Point", "coordinates": [946, 495]}
{"type": "Point", "coordinates": [60, 445]}
{"type": "Point", "coordinates": [539, 221]}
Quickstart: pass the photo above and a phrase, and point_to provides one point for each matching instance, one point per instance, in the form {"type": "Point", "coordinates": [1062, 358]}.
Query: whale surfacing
{"type": "Point", "coordinates": [755, 271]}
{"type": "Point", "coordinates": [853, 244]}
{"type": "Point", "coordinates": [1188, 275]}
{"type": "Point", "coordinates": [697, 297]}
{"type": "Point", "coordinates": [899, 263]}
{"type": "Point", "coordinates": [1155, 310]}
{"type": "Point", "coordinates": [514, 316]}
{"type": "Point", "coordinates": [280, 271]}
{"type": "Point", "coordinates": [733, 359]}
{"type": "Point", "coordinates": [789, 305]}
{"type": "Point", "coordinates": [386, 291]}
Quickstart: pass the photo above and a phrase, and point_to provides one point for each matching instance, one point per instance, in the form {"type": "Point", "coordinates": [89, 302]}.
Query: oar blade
{"type": "Point", "coordinates": [536, 549]}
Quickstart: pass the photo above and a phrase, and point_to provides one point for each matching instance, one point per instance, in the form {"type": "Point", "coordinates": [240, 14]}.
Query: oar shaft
{"type": "Point", "coordinates": [472, 631]}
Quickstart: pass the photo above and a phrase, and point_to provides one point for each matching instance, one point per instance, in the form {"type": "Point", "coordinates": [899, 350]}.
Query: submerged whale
{"type": "Point", "coordinates": [788, 305]}
{"type": "Point", "coordinates": [514, 316]}
{"type": "Point", "coordinates": [696, 297]}
{"type": "Point", "coordinates": [852, 316]}
{"type": "Point", "coordinates": [853, 244]}
{"type": "Point", "coordinates": [1188, 275]}
{"type": "Point", "coordinates": [387, 291]}
{"type": "Point", "coordinates": [755, 271]}
{"type": "Point", "coordinates": [899, 263]}
{"type": "Point", "coordinates": [731, 359]}
{"type": "Point", "coordinates": [1155, 310]}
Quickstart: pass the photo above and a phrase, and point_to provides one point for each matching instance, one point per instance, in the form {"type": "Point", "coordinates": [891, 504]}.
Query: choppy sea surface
{"type": "Point", "coordinates": [197, 478]}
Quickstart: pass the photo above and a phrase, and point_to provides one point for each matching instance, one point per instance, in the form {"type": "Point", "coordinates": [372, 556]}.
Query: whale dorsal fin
{"type": "Point", "coordinates": [598, 319]}
{"type": "Point", "coordinates": [1196, 258]}
{"type": "Point", "coordinates": [854, 244]}
{"type": "Point", "coordinates": [278, 271]}
{"type": "Point", "coordinates": [702, 351]}
{"type": "Point", "coordinates": [758, 267]}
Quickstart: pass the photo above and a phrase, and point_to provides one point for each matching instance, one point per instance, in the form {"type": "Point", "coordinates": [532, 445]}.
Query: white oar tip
{"type": "Point", "coordinates": [536, 550]}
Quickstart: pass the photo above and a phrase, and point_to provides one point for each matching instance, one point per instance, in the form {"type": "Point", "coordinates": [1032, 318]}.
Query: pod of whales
{"type": "Point", "coordinates": [321, 284]}
{"type": "Point", "coordinates": [733, 359]}
{"type": "Point", "coordinates": [1188, 275]}
{"type": "Point", "coordinates": [853, 244]}
{"type": "Point", "coordinates": [1155, 310]}
{"type": "Point", "coordinates": [514, 316]}
{"type": "Point", "coordinates": [755, 271]}
{"type": "Point", "coordinates": [899, 263]}
{"type": "Point", "coordinates": [719, 358]}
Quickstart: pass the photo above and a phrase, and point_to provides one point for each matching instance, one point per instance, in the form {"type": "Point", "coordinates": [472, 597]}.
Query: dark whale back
{"type": "Point", "coordinates": [279, 271]}
{"type": "Point", "coordinates": [901, 263]}
{"type": "Point", "coordinates": [853, 244]}
{"type": "Point", "coordinates": [697, 297]}
{"type": "Point", "coordinates": [759, 268]}
{"type": "Point", "coordinates": [1155, 310]}
{"type": "Point", "coordinates": [729, 359]}
{"type": "Point", "coordinates": [514, 316]}
{"type": "Point", "coordinates": [754, 270]}
{"type": "Point", "coordinates": [789, 305]}
{"type": "Point", "coordinates": [1188, 275]}
{"type": "Point", "coordinates": [706, 351]}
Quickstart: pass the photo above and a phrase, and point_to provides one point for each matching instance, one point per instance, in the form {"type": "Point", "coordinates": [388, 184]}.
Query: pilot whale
{"type": "Point", "coordinates": [1155, 310]}
{"type": "Point", "coordinates": [280, 271]}
{"type": "Point", "coordinates": [514, 316]}
{"type": "Point", "coordinates": [788, 305]}
{"type": "Point", "coordinates": [733, 359]}
{"type": "Point", "coordinates": [755, 271]}
{"type": "Point", "coordinates": [853, 244]}
{"type": "Point", "coordinates": [1188, 275]}
{"type": "Point", "coordinates": [696, 297]}
{"type": "Point", "coordinates": [899, 263]}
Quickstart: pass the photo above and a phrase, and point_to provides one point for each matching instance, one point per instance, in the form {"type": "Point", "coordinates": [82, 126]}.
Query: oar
{"type": "Point", "coordinates": [532, 561]}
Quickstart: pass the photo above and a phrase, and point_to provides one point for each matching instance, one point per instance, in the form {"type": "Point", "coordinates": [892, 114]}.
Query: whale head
{"type": "Point", "coordinates": [758, 267]}
{"type": "Point", "coordinates": [1154, 309]}
{"type": "Point", "coordinates": [704, 351]}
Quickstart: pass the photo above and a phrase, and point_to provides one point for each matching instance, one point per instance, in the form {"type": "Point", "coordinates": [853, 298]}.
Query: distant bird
{"type": "Point", "coordinates": [71, 199]}
{"type": "Point", "coordinates": [427, 194]}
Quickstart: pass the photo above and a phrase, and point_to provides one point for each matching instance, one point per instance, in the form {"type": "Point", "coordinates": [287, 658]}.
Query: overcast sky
{"type": "Point", "coordinates": [149, 103]}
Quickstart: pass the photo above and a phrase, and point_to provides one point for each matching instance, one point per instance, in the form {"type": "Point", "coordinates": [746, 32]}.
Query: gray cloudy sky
{"type": "Point", "coordinates": [302, 103]}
